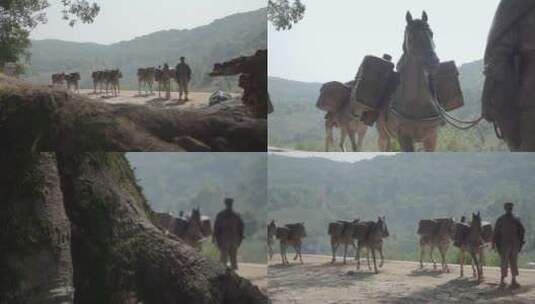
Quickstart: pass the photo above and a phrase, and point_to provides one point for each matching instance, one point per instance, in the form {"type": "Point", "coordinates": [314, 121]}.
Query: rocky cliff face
{"type": "Point", "coordinates": [78, 227]}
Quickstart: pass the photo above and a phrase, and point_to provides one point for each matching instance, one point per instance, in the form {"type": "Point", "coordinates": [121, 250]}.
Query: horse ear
{"type": "Point", "coordinates": [408, 17]}
{"type": "Point", "coordinates": [424, 16]}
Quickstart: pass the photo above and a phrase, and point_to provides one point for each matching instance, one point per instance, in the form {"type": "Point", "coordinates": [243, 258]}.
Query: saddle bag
{"type": "Point", "coordinates": [335, 229]}
{"type": "Point", "coordinates": [426, 227]}
{"type": "Point", "coordinates": [372, 82]}
{"type": "Point", "coordinates": [447, 86]}
{"type": "Point", "coordinates": [333, 96]}
{"type": "Point", "coordinates": [361, 231]}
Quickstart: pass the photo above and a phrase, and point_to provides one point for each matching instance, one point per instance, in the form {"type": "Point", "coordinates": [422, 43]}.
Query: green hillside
{"type": "Point", "coordinates": [405, 188]}
{"type": "Point", "coordinates": [181, 181]}
{"type": "Point", "coordinates": [297, 124]}
{"type": "Point", "coordinates": [223, 39]}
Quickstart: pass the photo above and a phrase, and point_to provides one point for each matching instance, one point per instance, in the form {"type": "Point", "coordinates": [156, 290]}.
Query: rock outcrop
{"type": "Point", "coordinates": [253, 80]}
{"type": "Point", "coordinates": [46, 119]}
{"type": "Point", "coordinates": [89, 204]}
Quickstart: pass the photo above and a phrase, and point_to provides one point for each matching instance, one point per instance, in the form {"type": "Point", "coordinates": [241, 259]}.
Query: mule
{"type": "Point", "coordinates": [370, 235]}
{"type": "Point", "coordinates": [469, 238]}
{"type": "Point", "coordinates": [439, 236]}
{"type": "Point", "coordinates": [350, 125]}
{"type": "Point", "coordinates": [342, 233]}
{"type": "Point", "coordinates": [291, 235]}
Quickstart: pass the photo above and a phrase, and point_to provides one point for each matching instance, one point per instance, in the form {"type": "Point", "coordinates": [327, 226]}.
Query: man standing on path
{"type": "Point", "coordinates": [228, 234]}
{"type": "Point", "coordinates": [183, 77]}
{"type": "Point", "coordinates": [508, 240]}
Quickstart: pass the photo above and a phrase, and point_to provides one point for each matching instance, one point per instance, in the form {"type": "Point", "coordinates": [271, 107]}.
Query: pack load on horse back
{"type": "Point", "coordinates": [334, 99]}
{"type": "Point", "coordinates": [408, 101]}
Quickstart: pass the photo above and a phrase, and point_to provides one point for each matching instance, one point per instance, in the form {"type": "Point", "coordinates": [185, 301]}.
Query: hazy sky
{"type": "Point", "coordinates": [330, 42]}
{"type": "Point", "coordinates": [126, 19]}
{"type": "Point", "coordinates": [336, 156]}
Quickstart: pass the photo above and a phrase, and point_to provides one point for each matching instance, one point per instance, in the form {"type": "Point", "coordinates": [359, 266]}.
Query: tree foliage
{"type": "Point", "coordinates": [283, 14]}
{"type": "Point", "coordinates": [19, 17]}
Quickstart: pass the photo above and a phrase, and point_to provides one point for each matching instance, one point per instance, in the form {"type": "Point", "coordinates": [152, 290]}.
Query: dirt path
{"type": "Point", "coordinates": [196, 99]}
{"type": "Point", "coordinates": [318, 281]}
{"type": "Point", "coordinates": [256, 273]}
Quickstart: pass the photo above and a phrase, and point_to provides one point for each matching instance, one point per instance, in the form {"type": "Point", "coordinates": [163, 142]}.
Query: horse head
{"type": "Point", "coordinates": [419, 43]}
{"type": "Point", "coordinates": [381, 223]}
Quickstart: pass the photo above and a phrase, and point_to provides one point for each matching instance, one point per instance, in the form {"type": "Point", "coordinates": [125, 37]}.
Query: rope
{"type": "Point", "coordinates": [448, 118]}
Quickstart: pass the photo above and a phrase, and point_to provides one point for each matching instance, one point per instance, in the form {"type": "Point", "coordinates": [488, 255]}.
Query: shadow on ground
{"type": "Point", "coordinates": [461, 290]}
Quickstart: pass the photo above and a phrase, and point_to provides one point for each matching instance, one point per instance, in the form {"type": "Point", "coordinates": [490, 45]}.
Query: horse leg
{"type": "Point", "coordinates": [343, 135]}
{"type": "Point", "coordinates": [300, 256]}
{"type": "Point", "coordinates": [360, 139]}
{"type": "Point", "coordinates": [477, 268]}
{"type": "Point", "coordinates": [406, 144]}
{"type": "Point", "coordinates": [333, 247]}
{"type": "Point", "coordinates": [282, 251]}
{"type": "Point", "coordinates": [443, 251]}
{"type": "Point", "coordinates": [462, 262]}
{"type": "Point", "coordinates": [352, 138]}
{"type": "Point", "coordinates": [422, 252]}
{"type": "Point", "coordinates": [345, 253]}
{"type": "Point", "coordinates": [357, 257]}
{"type": "Point", "coordinates": [382, 257]}
{"type": "Point", "coordinates": [432, 259]}
{"type": "Point", "coordinates": [368, 258]}
{"type": "Point", "coordinates": [374, 260]}
{"type": "Point", "coordinates": [329, 137]}
{"type": "Point", "coordinates": [430, 143]}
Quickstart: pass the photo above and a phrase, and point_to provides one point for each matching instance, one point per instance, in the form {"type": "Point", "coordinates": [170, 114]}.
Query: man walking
{"type": "Point", "coordinates": [183, 77]}
{"type": "Point", "coordinates": [508, 240]}
{"type": "Point", "coordinates": [228, 234]}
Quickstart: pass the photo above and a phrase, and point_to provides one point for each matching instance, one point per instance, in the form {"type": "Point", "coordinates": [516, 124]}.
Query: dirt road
{"type": "Point", "coordinates": [318, 281]}
{"type": "Point", "coordinates": [256, 273]}
{"type": "Point", "coordinates": [196, 99]}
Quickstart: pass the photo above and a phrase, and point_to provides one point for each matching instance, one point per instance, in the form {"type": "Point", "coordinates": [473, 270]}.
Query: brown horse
{"type": "Point", "coordinates": [436, 233]}
{"type": "Point", "coordinates": [371, 235]}
{"type": "Point", "coordinates": [191, 229]}
{"type": "Point", "coordinates": [468, 237]}
{"type": "Point", "coordinates": [291, 235]}
{"type": "Point", "coordinates": [410, 115]}
{"type": "Point", "coordinates": [145, 78]}
{"type": "Point", "coordinates": [342, 232]}
{"type": "Point", "coordinates": [73, 80]}
{"type": "Point", "coordinates": [350, 125]}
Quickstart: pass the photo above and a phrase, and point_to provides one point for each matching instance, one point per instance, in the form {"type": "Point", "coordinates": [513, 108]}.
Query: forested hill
{"type": "Point", "coordinates": [181, 181]}
{"type": "Point", "coordinates": [221, 40]}
{"type": "Point", "coordinates": [404, 187]}
{"type": "Point", "coordinates": [298, 124]}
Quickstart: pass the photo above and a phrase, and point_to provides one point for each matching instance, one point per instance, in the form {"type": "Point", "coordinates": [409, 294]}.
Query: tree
{"type": "Point", "coordinates": [284, 15]}
{"type": "Point", "coordinates": [19, 17]}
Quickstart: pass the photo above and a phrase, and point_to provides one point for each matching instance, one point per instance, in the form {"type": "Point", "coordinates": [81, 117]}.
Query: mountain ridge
{"type": "Point", "coordinates": [221, 40]}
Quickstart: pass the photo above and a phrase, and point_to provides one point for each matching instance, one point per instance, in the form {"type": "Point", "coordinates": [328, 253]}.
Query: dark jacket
{"type": "Point", "coordinates": [183, 71]}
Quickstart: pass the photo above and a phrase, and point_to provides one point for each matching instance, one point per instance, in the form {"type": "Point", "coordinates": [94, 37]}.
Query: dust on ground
{"type": "Point", "coordinates": [196, 99]}
{"type": "Point", "coordinates": [256, 273]}
{"type": "Point", "coordinates": [319, 281]}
